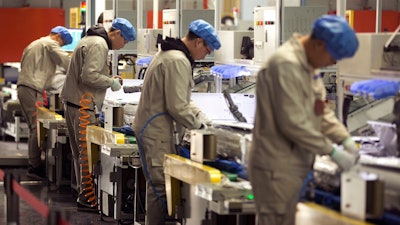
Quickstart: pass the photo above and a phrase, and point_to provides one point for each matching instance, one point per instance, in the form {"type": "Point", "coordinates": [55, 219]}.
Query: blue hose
{"type": "Point", "coordinates": [145, 169]}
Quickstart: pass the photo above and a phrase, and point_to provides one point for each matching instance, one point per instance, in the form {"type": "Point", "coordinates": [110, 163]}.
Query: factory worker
{"type": "Point", "coordinates": [88, 78]}
{"type": "Point", "coordinates": [38, 67]}
{"type": "Point", "coordinates": [165, 107]}
{"type": "Point", "coordinates": [293, 123]}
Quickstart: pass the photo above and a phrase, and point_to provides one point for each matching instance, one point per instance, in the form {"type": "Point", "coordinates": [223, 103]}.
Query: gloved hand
{"type": "Point", "coordinates": [204, 118]}
{"type": "Point", "coordinates": [350, 146]}
{"type": "Point", "coordinates": [116, 85]}
{"type": "Point", "coordinates": [343, 159]}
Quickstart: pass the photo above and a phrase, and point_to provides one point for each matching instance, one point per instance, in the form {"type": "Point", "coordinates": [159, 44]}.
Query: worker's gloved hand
{"type": "Point", "coordinates": [204, 118]}
{"type": "Point", "coordinates": [343, 159]}
{"type": "Point", "coordinates": [116, 85]}
{"type": "Point", "coordinates": [350, 146]}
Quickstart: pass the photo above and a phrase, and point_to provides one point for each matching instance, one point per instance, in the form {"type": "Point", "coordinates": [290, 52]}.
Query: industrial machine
{"type": "Point", "coordinates": [213, 179]}
{"type": "Point", "coordinates": [176, 23]}
{"type": "Point", "coordinates": [376, 121]}
{"type": "Point", "coordinates": [147, 44]}
{"type": "Point", "coordinates": [206, 190]}
{"type": "Point", "coordinates": [116, 160]}
{"type": "Point", "coordinates": [12, 113]}
{"type": "Point", "coordinates": [231, 138]}
{"type": "Point", "coordinates": [369, 190]}
{"type": "Point", "coordinates": [377, 63]}
{"type": "Point", "coordinates": [120, 182]}
{"type": "Point", "coordinates": [53, 138]}
{"type": "Point", "coordinates": [12, 124]}
{"type": "Point", "coordinates": [250, 49]}
{"type": "Point", "coordinates": [233, 45]}
{"type": "Point", "coordinates": [275, 24]}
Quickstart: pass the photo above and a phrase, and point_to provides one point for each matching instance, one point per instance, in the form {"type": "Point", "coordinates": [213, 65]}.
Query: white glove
{"type": "Point", "coordinates": [343, 159]}
{"type": "Point", "coordinates": [204, 118]}
{"type": "Point", "coordinates": [350, 146]}
{"type": "Point", "coordinates": [116, 85]}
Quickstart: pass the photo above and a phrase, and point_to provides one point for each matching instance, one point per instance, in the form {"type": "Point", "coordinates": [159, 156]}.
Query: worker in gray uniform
{"type": "Point", "coordinates": [165, 109]}
{"type": "Point", "coordinates": [38, 67]}
{"type": "Point", "coordinates": [84, 90]}
{"type": "Point", "coordinates": [293, 123]}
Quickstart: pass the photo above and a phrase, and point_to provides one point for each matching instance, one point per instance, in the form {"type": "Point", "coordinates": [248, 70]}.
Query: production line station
{"type": "Point", "coordinates": [206, 182]}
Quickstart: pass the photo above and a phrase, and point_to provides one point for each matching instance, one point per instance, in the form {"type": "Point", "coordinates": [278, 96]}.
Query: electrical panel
{"type": "Point", "coordinates": [232, 44]}
{"type": "Point", "coordinates": [170, 23]}
{"type": "Point", "coordinates": [176, 27]}
{"type": "Point", "coordinates": [274, 25]}
{"type": "Point", "coordinates": [266, 32]}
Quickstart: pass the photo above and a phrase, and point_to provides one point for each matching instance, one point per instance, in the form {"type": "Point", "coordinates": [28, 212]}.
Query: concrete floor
{"type": "Point", "coordinates": [13, 153]}
{"type": "Point", "coordinates": [13, 159]}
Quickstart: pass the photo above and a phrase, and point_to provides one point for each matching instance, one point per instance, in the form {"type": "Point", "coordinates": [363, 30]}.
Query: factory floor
{"type": "Point", "coordinates": [63, 198]}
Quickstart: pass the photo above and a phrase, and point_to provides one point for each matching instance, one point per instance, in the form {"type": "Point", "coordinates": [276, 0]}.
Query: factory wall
{"type": "Point", "coordinates": [248, 6]}
{"type": "Point", "coordinates": [245, 13]}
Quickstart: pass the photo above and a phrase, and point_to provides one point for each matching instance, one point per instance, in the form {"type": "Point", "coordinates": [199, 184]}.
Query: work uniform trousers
{"type": "Point", "coordinates": [276, 195]}
{"type": "Point", "coordinates": [28, 97]}
{"type": "Point", "coordinates": [153, 151]}
{"type": "Point", "coordinates": [73, 118]}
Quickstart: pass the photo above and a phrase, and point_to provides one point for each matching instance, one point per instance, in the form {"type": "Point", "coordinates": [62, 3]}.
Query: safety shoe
{"type": "Point", "coordinates": [37, 172]}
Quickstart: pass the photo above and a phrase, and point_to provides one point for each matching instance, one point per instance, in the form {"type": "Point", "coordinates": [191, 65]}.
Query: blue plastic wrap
{"type": "Point", "coordinates": [230, 71]}
{"type": "Point", "coordinates": [229, 166]}
{"type": "Point", "coordinates": [144, 61]}
{"type": "Point", "coordinates": [125, 129]}
{"type": "Point", "coordinates": [184, 152]}
{"type": "Point", "coordinates": [376, 89]}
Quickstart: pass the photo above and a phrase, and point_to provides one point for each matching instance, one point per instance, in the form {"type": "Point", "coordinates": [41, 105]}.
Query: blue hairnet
{"type": "Point", "coordinates": [126, 28]}
{"type": "Point", "coordinates": [65, 35]}
{"type": "Point", "coordinates": [204, 30]}
{"type": "Point", "coordinates": [340, 39]}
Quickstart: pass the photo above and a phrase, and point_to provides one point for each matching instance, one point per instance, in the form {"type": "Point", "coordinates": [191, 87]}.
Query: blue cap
{"type": "Point", "coordinates": [126, 28]}
{"type": "Point", "coordinates": [204, 30]}
{"type": "Point", "coordinates": [65, 35]}
{"type": "Point", "coordinates": [340, 39]}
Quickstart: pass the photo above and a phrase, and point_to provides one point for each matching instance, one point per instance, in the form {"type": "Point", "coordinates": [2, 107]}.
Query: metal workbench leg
{"type": "Point", "coordinates": [12, 200]}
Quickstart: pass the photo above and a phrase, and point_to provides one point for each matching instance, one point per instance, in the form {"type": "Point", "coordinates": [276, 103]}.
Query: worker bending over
{"type": "Point", "coordinates": [293, 123]}
{"type": "Point", "coordinates": [165, 108]}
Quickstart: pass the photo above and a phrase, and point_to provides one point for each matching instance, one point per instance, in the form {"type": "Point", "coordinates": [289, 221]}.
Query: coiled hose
{"type": "Point", "coordinates": [87, 184]}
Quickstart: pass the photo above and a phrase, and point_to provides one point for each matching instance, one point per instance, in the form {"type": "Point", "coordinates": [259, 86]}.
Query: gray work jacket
{"type": "Point", "coordinates": [88, 72]}
{"type": "Point", "coordinates": [287, 134]}
{"type": "Point", "coordinates": [167, 89]}
{"type": "Point", "coordinates": [39, 61]}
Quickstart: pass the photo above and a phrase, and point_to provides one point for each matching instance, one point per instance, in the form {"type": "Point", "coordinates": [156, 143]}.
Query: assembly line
{"type": "Point", "coordinates": [200, 115]}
